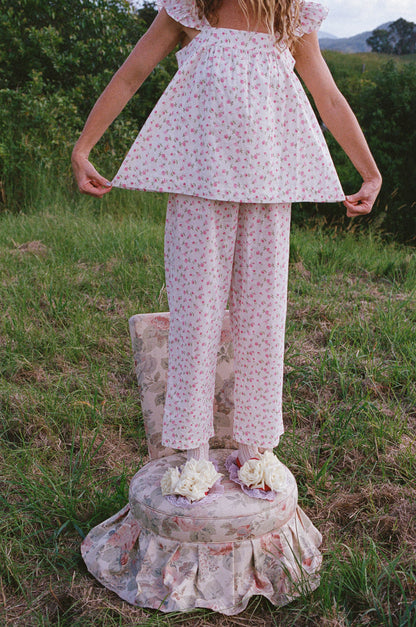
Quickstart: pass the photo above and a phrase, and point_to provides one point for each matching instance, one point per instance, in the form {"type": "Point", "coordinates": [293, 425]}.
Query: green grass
{"type": "Point", "coordinates": [359, 62]}
{"type": "Point", "coordinates": [72, 435]}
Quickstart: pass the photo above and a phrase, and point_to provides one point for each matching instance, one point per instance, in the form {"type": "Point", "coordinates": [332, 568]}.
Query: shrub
{"type": "Point", "coordinates": [384, 100]}
{"type": "Point", "coordinates": [56, 58]}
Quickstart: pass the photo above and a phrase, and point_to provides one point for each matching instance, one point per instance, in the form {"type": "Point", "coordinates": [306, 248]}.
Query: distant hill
{"type": "Point", "coordinates": [356, 43]}
{"type": "Point", "coordinates": [323, 35]}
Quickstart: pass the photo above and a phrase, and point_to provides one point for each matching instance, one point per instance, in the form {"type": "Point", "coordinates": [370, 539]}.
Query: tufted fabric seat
{"type": "Point", "coordinates": [238, 518]}
{"type": "Point", "coordinates": [215, 553]}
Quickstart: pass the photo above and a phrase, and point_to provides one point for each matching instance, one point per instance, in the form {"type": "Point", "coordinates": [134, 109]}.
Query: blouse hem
{"type": "Point", "coordinates": [228, 198]}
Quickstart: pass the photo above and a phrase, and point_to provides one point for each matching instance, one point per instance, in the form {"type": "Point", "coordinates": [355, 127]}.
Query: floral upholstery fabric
{"type": "Point", "coordinates": [217, 554]}
{"type": "Point", "coordinates": [149, 335]}
{"type": "Point", "coordinates": [233, 516]}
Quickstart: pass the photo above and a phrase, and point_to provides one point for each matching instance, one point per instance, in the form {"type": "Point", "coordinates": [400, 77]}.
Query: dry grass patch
{"type": "Point", "coordinates": [35, 247]}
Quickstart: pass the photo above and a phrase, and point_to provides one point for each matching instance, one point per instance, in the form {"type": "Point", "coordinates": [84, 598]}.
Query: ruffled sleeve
{"type": "Point", "coordinates": [311, 17]}
{"type": "Point", "coordinates": [183, 11]}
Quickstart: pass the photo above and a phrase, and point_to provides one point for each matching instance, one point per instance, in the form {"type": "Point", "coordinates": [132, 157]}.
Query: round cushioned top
{"type": "Point", "coordinates": [230, 517]}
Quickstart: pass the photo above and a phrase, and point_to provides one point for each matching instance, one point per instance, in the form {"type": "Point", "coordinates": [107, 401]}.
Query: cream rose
{"type": "Point", "coordinates": [274, 476]}
{"type": "Point", "coordinates": [251, 474]}
{"type": "Point", "coordinates": [169, 481]}
{"type": "Point", "coordinates": [193, 482]}
{"type": "Point", "coordinates": [207, 473]}
{"type": "Point", "coordinates": [189, 487]}
{"type": "Point", "coordinates": [265, 471]}
{"type": "Point", "coordinates": [269, 459]}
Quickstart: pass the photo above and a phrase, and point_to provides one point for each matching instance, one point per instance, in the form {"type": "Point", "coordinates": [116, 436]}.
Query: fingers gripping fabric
{"type": "Point", "coordinates": [213, 250]}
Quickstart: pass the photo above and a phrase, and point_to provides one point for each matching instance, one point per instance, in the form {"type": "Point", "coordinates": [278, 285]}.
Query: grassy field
{"type": "Point", "coordinates": [72, 272]}
{"type": "Point", "coordinates": [359, 62]}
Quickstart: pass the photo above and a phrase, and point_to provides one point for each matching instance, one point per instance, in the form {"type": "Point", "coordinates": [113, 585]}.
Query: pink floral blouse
{"type": "Point", "coordinates": [234, 123]}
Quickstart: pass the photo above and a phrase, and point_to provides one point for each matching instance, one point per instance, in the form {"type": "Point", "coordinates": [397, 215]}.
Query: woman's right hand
{"type": "Point", "coordinates": [87, 177]}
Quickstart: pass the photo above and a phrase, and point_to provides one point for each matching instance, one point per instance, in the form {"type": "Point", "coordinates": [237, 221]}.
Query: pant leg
{"type": "Point", "coordinates": [258, 312]}
{"type": "Point", "coordinates": [199, 248]}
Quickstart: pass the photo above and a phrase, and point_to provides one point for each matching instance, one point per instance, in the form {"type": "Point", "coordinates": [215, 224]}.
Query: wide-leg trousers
{"type": "Point", "coordinates": [218, 252]}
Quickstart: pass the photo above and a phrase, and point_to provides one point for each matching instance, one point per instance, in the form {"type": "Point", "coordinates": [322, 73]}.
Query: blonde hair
{"type": "Point", "coordinates": [281, 17]}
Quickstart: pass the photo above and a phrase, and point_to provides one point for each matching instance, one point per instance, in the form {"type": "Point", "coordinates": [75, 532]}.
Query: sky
{"type": "Point", "coordinates": [350, 17]}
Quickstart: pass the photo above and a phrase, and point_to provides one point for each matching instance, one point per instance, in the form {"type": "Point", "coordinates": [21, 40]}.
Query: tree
{"type": "Point", "coordinates": [387, 116]}
{"type": "Point", "coordinates": [380, 42]}
{"type": "Point", "coordinates": [399, 38]}
{"type": "Point", "coordinates": [406, 37]}
{"type": "Point", "coordinates": [56, 56]}
{"type": "Point", "coordinates": [64, 40]}
{"type": "Point", "coordinates": [384, 101]}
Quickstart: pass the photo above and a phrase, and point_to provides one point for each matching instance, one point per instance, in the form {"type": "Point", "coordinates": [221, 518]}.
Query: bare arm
{"type": "Point", "coordinates": [161, 38]}
{"type": "Point", "coordinates": [340, 120]}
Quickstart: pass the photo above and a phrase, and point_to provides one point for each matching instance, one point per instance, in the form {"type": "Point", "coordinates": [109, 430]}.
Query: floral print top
{"type": "Point", "coordinates": [234, 123]}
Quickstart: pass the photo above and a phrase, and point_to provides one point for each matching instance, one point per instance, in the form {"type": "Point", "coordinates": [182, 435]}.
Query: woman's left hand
{"type": "Point", "coordinates": [362, 202]}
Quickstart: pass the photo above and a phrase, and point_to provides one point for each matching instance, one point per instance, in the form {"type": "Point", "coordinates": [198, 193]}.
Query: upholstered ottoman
{"type": "Point", "coordinates": [216, 553]}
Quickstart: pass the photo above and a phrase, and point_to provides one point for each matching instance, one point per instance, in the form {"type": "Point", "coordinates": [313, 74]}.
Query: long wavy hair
{"type": "Point", "coordinates": [281, 17]}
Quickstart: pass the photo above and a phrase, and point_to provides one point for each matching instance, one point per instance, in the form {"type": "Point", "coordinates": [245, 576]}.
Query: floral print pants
{"type": "Point", "coordinates": [217, 251]}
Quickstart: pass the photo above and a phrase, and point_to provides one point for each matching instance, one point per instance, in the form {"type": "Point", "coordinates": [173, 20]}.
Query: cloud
{"type": "Point", "coordinates": [349, 17]}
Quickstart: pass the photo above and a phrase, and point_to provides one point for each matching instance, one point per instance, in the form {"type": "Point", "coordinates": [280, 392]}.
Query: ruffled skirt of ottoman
{"type": "Point", "coordinates": [172, 574]}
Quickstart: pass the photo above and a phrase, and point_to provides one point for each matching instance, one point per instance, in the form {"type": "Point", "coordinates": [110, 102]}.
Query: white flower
{"type": "Point", "coordinates": [251, 473]}
{"type": "Point", "coordinates": [191, 488]}
{"type": "Point", "coordinates": [190, 471]}
{"type": "Point", "coordinates": [274, 476]}
{"type": "Point", "coordinates": [169, 481]}
{"type": "Point", "coordinates": [193, 482]}
{"type": "Point", "coordinates": [265, 471]}
{"type": "Point", "coordinates": [207, 473]}
{"type": "Point", "coordinates": [269, 459]}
